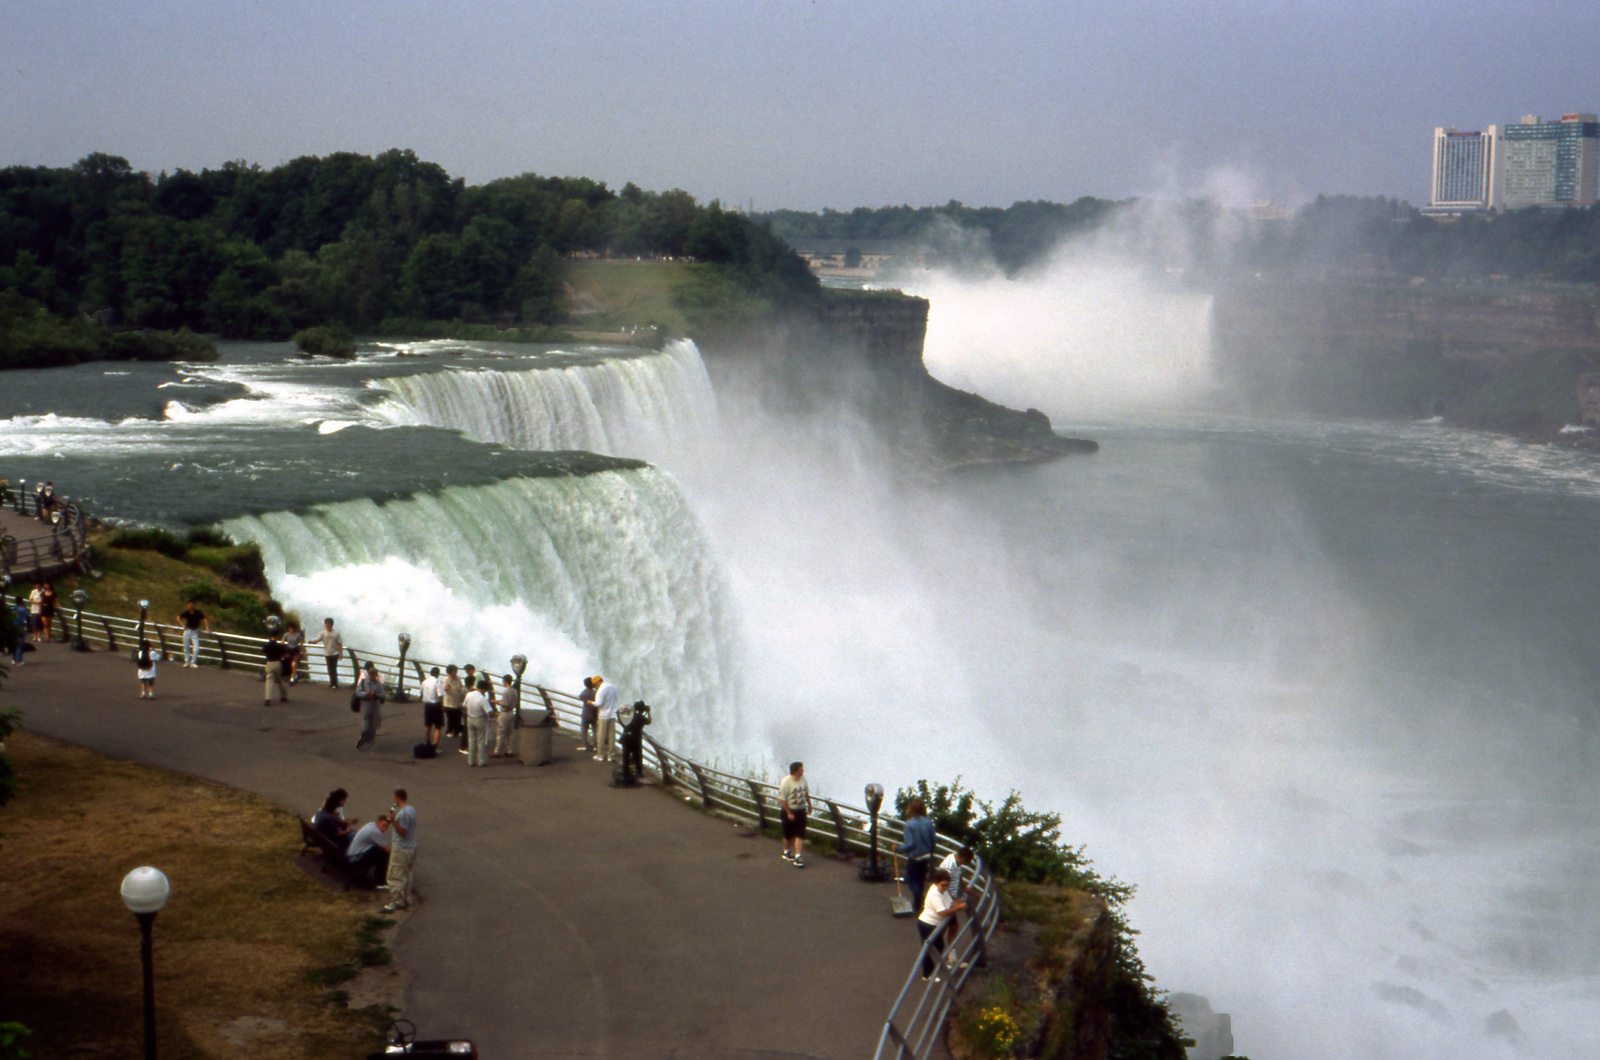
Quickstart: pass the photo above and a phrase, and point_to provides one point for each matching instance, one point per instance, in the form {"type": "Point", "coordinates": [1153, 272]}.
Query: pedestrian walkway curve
{"type": "Point", "coordinates": [558, 916]}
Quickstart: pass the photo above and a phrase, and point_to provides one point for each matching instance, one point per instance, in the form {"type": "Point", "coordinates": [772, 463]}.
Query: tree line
{"type": "Point", "coordinates": [1342, 233]}
{"type": "Point", "coordinates": [243, 251]}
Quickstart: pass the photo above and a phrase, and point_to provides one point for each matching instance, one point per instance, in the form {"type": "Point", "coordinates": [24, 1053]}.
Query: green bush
{"type": "Point", "coordinates": [151, 539]}
{"type": "Point", "coordinates": [209, 537]}
{"type": "Point", "coordinates": [330, 340]}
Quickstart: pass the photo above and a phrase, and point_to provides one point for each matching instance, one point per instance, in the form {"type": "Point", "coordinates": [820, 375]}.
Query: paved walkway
{"type": "Point", "coordinates": [558, 917]}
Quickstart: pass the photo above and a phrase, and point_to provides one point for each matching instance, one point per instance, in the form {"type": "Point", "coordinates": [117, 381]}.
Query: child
{"type": "Point", "coordinates": [146, 661]}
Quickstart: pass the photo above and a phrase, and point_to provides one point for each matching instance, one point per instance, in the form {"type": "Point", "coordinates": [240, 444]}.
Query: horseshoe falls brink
{"type": "Point", "coordinates": [632, 406]}
{"type": "Point", "coordinates": [601, 573]}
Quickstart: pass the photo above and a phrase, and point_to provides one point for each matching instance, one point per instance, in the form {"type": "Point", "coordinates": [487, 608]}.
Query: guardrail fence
{"type": "Point", "coordinates": [912, 1027]}
{"type": "Point", "coordinates": [51, 553]}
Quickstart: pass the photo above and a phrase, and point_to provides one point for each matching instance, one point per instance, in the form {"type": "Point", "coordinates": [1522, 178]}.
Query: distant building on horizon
{"type": "Point", "coordinates": [1466, 172]}
{"type": "Point", "coordinates": [1551, 163]}
{"type": "Point", "coordinates": [1548, 164]}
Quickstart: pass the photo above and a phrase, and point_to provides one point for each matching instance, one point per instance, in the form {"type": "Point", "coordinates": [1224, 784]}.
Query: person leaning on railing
{"type": "Point", "coordinates": [332, 650]}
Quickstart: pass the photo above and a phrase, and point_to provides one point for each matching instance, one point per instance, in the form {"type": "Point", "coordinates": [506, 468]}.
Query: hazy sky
{"type": "Point", "coordinates": [802, 103]}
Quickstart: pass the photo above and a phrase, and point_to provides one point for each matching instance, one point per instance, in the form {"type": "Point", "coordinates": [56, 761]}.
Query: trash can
{"type": "Point", "coordinates": [534, 740]}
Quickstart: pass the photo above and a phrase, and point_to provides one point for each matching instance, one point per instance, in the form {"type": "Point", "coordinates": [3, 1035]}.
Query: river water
{"type": "Point", "coordinates": [1323, 690]}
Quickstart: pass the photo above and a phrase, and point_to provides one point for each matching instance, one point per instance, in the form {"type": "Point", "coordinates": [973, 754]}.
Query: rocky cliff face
{"type": "Point", "coordinates": [1504, 359]}
{"type": "Point", "coordinates": [864, 349]}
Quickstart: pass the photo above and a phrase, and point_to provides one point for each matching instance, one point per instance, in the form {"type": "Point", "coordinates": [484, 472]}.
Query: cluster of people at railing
{"type": "Point", "coordinates": [939, 894]}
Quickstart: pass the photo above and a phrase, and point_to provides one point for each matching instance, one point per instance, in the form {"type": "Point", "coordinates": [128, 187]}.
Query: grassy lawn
{"type": "Point", "coordinates": [131, 575]}
{"type": "Point", "coordinates": [244, 952]}
{"type": "Point", "coordinates": [635, 293]}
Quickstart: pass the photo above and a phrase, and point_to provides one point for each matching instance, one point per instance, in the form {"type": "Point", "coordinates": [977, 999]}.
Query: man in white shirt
{"type": "Point", "coordinates": [963, 867]}
{"type": "Point", "coordinates": [479, 710]}
{"type": "Point", "coordinates": [432, 707]}
{"type": "Point", "coordinates": [605, 699]}
{"type": "Point", "coordinates": [369, 850]}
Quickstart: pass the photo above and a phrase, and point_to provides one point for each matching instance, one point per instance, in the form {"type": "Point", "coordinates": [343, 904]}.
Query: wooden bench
{"type": "Point", "coordinates": [332, 856]}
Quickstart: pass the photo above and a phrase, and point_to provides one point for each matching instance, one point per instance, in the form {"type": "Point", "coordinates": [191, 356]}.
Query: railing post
{"type": "Point", "coordinates": [161, 638]}
{"type": "Point", "coordinates": [355, 668]}
{"type": "Point", "coordinates": [111, 638]}
{"type": "Point", "coordinates": [761, 804]}
{"type": "Point", "coordinates": [705, 792]}
{"type": "Point", "coordinates": [838, 825]}
{"type": "Point", "coordinates": [222, 650]}
{"type": "Point", "coordinates": [661, 760]}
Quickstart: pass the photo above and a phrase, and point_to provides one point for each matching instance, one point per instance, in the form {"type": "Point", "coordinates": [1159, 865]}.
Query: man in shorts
{"type": "Point", "coordinates": [794, 795]}
{"type": "Point", "coordinates": [432, 707]}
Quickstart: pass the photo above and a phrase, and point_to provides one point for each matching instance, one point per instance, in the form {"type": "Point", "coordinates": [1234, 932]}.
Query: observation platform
{"type": "Point", "coordinates": [556, 916]}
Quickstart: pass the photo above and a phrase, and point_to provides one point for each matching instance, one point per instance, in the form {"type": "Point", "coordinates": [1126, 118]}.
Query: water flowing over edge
{"type": "Point", "coordinates": [605, 573]}
{"type": "Point", "coordinates": [627, 406]}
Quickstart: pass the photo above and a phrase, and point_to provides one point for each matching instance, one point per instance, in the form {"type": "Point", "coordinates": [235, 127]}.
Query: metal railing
{"type": "Point", "coordinates": [47, 555]}
{"type": "Point", "coordinates": [912, 1026]}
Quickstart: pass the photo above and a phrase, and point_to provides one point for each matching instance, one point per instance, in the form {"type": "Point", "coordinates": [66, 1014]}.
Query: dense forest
{"type": "Point", "coordinates": [1373, 236]}
{"type": "Point", "coordinates": [99, 249]}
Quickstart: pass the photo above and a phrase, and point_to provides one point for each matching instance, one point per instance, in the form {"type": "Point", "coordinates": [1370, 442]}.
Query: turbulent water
{"type": "Point", "coordinates": [1324, 691]}
{"type": "Point", "coordinates": [635, 406]}
{"type": "Point", "coordinates": [606, 571]}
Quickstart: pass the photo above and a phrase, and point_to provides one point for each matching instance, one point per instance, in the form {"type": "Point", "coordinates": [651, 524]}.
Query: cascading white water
{"type": "Point", "coordinates": [575, 572]}
{"type": "Point", "coordinates": [624, 406]}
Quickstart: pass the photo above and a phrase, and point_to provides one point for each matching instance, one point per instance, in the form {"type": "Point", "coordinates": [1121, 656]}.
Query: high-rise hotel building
{"type": "Point", "coordinates": [1532, 163]}
{"type": "Point", "coordinates": [1551, 163]}
{"type": "Point", "coordinates": [1466, 168]}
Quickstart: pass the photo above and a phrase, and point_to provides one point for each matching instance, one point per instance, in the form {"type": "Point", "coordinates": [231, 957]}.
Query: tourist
{"type": "Point", "coordinates": [272, 671]}
{"type": "Point", "coordinates": [453, 693]}
{"type": "Point", "coordinates": [35, 608]}
{"type": "Point", "coordinates": [506, 720]}
{"type": "Point", "coordinates": [46, 609]}
{"type": "Point", "coordinates": [586, 724]}
{"type": "Point", "coordinates": [469, 681]}
{"type": "Point", "coordinates": [331, 821]}
{"type": "Point", "coordinates": [368, 852]}
{"type": "Point", "coordinates": [605, 702]}
{"type": "Point", "coordinates": [432, 708]}
{"type": "Point", "coordinates": [934, 910]}
{"type": "Point", "coordinates": [293, 645]}
{"type": "Point", "coordinates": [918, 849]}
{"type": "Point", "coordinates": [963, 867]}
{"type": "Point", "coordinates": [480, 710]}
{"type": "Point", "coordinates": [370, 693]}
{"type": "Point", "coordinates": [332, 650]}
{"type": "Point", "coordinates": [402, 853]}
{"type": "Point", "coordinates": [192, 619]}
{"type": "Point", "coordinates": [794, 798]}
{"type": "Point", "coordinates": [146, 662]}
{"type": "Point", "coordinates": [20, 640]}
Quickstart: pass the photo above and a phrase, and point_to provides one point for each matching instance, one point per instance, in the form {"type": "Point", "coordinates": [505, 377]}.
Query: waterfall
{"type": "Point", "coordinates": [603, 573]}
{"type": "Point", "coordinates": [633, 406]}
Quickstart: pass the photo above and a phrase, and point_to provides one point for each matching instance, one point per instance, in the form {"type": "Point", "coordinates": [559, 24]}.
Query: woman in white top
{"type": "Point", "coordinates": [146, 662]}
{"type": "Point", "coordinates": [937, 907]}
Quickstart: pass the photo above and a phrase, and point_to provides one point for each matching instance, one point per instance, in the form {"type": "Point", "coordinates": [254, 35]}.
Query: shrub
{"type": "Point", "coordinates": [209, 537]}
{"type": "Point", "coordinates": [329, 340]}
{"type": "Point", "coordinates": [151, 539]}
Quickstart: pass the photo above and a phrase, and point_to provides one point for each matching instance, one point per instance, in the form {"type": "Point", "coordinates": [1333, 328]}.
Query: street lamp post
{"type": "Point", "coordinates": [400, 694]}
{"type": "Point", "coordinates": [144, 892]}
{"type": "Point", "coordinates": [79, 597]}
